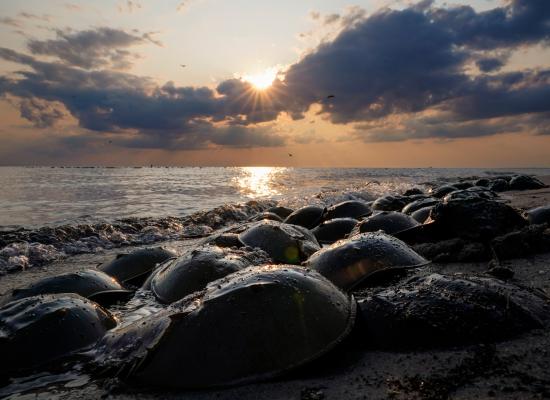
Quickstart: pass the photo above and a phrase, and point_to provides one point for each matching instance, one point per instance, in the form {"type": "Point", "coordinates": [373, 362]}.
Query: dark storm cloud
{"type": "Point", "coordinates": [520, 22]}
{"type": "Point", "coordinates": [395, 75]}
{"type": "Point", "coordinates": [41, 113]}
{"type": "Point", "coordinates": [161, 117]}
{"type": "Point", "coordinates": [97, 48]}
{"type": "Point", "coordinates": [490, 64]}
{"type": "Point", "coordinates": [394, 61]}
{"type": "Point", "coordinates": [412, 60]}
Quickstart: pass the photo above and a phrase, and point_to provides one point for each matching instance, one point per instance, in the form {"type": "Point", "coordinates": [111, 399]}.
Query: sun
{"type": "Point", "coordinates": [262, 80]}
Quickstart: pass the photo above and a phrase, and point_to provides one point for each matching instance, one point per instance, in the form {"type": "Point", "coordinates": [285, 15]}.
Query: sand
{"type": "Point", "coordinates": [514, 369]}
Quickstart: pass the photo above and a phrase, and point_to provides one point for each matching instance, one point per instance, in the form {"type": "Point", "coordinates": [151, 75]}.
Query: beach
{"type": "Point", "coordinates": [510, 369]}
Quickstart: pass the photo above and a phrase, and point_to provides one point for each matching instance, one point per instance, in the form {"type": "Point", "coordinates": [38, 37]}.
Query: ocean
{"type": "Point", "coordinates": [51, 212]}
{"type": "Point", "coordinates": [46, 196]}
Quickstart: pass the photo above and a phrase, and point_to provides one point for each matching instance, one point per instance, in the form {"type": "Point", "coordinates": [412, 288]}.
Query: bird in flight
{"type": "Point", "coordinates": [331, 96]}
{"type": "Point", "coordinates": [290, 155]}
{"type": "Point", "coordinates": [183, 65]}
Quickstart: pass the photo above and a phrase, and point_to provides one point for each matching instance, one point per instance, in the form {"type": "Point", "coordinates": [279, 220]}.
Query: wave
{"type": "Point", "coordinates": [26, 248]}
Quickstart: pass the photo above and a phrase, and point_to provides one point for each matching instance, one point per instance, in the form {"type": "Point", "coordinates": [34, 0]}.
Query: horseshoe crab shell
{"type": "Point", "coordinates": [308, 217]}
{"type": "Point", "coordinates": [472, 219]}
{"type": "Point", "coordinates": [289, 244]}
{"type": "Point", "coordinates": [539, 215]}
{"type": "Point", "coordinates": [436, 310]}
{"type": "Point", "coordinates": [386, 221]}
{"type": "Point", "coordinates": [422, 214]}
{"type": "Point", "coordinates": [348, 209]}
{"type": "Point", "coordinates": [468, 194]}
{"type": "Point", "coordinates": [390, 203]}
{"type": "Point", "coordinates": [525, 182]}
{"type": "Point", "coordinates": [134, 267]}
{"type": "Point", "coordinates": [281, 211]}
{"type": "Point", "coordinates": [267, 215]}
{"type": "Point", "coordinates": [334, 229]}
{"type": "Point", "coordinates": [348, 262]}
{"type": "Point", "coordinates": [499, 185]}
{"type": "Point", "coordinates": [258, 323]}
{"type": "Point", "coordinates": [191, 272]}
{"type": "Point", "coordinates": [37, 330]}
{"type": "Point", "coordinates": [441, 191]}
{"type": "Point", "coordinates": [418, 204]}
{"type": "Point", "coordinates": [87, 283]}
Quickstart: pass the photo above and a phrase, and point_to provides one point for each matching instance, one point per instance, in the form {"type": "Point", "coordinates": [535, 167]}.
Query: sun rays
{"type": "Point", "coordinates": [262, 80]}
{"type": "Point", "coordinates": [262, 96]}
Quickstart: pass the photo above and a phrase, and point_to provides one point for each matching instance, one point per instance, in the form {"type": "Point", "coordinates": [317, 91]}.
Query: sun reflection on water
{"type": "Point", "coordinates": [259, 181]}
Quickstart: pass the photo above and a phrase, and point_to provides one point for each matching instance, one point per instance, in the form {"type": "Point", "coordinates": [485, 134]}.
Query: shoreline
{"type": "Point", "coordinates": [511, 369]}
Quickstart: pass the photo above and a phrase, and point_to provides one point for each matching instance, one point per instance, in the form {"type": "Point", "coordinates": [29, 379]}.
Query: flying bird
{"type": "Point", "coordinates": [331, 96]}
{"type": "Point", "coordinates": [183, 65]}
{"type": "Point", "coordinates": [290, 155]}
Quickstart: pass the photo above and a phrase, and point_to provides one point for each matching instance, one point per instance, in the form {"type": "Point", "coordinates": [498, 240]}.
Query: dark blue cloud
{"type": "Point", "coordinates": [403, 63]}
{"type": "Point", "coordinates": [490, 64]}
{"type": "Point", "coordinates": [94, 48]}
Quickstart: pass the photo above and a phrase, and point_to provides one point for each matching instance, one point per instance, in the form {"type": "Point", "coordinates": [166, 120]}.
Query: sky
{"type": "Point", "coordinates": [321, 83]}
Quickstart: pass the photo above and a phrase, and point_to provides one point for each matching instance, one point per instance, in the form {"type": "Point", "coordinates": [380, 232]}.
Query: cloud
{"type": "Point", "coordinates": [490, 64]}
{"type": "Point", "coordinates": [72, 7]}
{"type": "Point", "coordinates": [395, 75]}
{"type": "Point", "coordinates": [101, 47]}
{"type": "Point", "coordinates": [331, 18]}
{"type": "Point", "coordinates": [129, 6]}
{"type": "Point", "coordinates": [10, 22]}
{"type": "Point", "coordinates": [314, 15]}
{"type": "Point", "coordinates": [141, 112]}
{"type": "Point", "coordinates": [42, 114]}
{"type": "Point", "coordinates": [402, 62]}
{"type": "Point", "coordinates": [43, 17]}
{"type": "Point", "coordinates": [184, 5]}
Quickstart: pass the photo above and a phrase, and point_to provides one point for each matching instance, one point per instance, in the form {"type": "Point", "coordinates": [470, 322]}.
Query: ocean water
{"type": "Point", "coordinates": [44, 196]}
{"type": "Point", "coordinates": [51, 212]}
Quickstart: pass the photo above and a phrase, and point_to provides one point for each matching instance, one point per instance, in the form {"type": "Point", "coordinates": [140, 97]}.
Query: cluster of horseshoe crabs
{"type": "Point", "coordinates": [262, 298]}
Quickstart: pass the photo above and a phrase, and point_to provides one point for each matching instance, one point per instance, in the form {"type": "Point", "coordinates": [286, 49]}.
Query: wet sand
{"type": "Point", "coordinates": [514, 369]}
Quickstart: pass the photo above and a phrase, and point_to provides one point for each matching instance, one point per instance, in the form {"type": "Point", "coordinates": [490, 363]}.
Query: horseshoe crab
{"type": "Point", "coordinates": [259, 323]}
{"type": "Point", "coordinates": [267, 215]}
{"type": "Point", "coordinates": [390, 203]}
{"type": "Point", "coordinates": [484, 182]}
{"type": "Point", "coordinates": [386, 221]}
{"type": "Point", "coordinates": [469, 194]}
{"type": "Point", "coordinates": [499, 185]}
{"type": "Point", "coordinates": [437, 310]}
{"type": "Point", "coordinates": [133, 268]}
{"type": "Point", "coordinates": [471, 219]}
{"type": "Point", "coordinates": [334, 229]}
{"type": "Point", "coordinates": [539, 215]}
{"type": "Point", "coordinates": [281, 211]}
{"type": "Point", "coordinates": [289, 244]}
{"type": "Point", "coordinates": [413, 192]}
{"type": "Point", "coordinates": [441, 191]}
{"type": "Point", "coordinates": [525, 182]}
{"type": "Point", "coordinates": [308, 217]}
{"type": "Point", "coordinates": [422, 214]}
{"type": "Point", "coordinates": [418, 204]}
{"type": "Point", "coordinates": [35, 331]}
{"type": "Point", "coordinates": [191, 272]}
{"type": "Point", "coordinates": [348, 262]}
{"type": "Point", "coordinates": [89, 283]}
{"type": "Point", "coordinates": [462, 185]}
{"type": "Point", "coordinates": [348, 209]}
